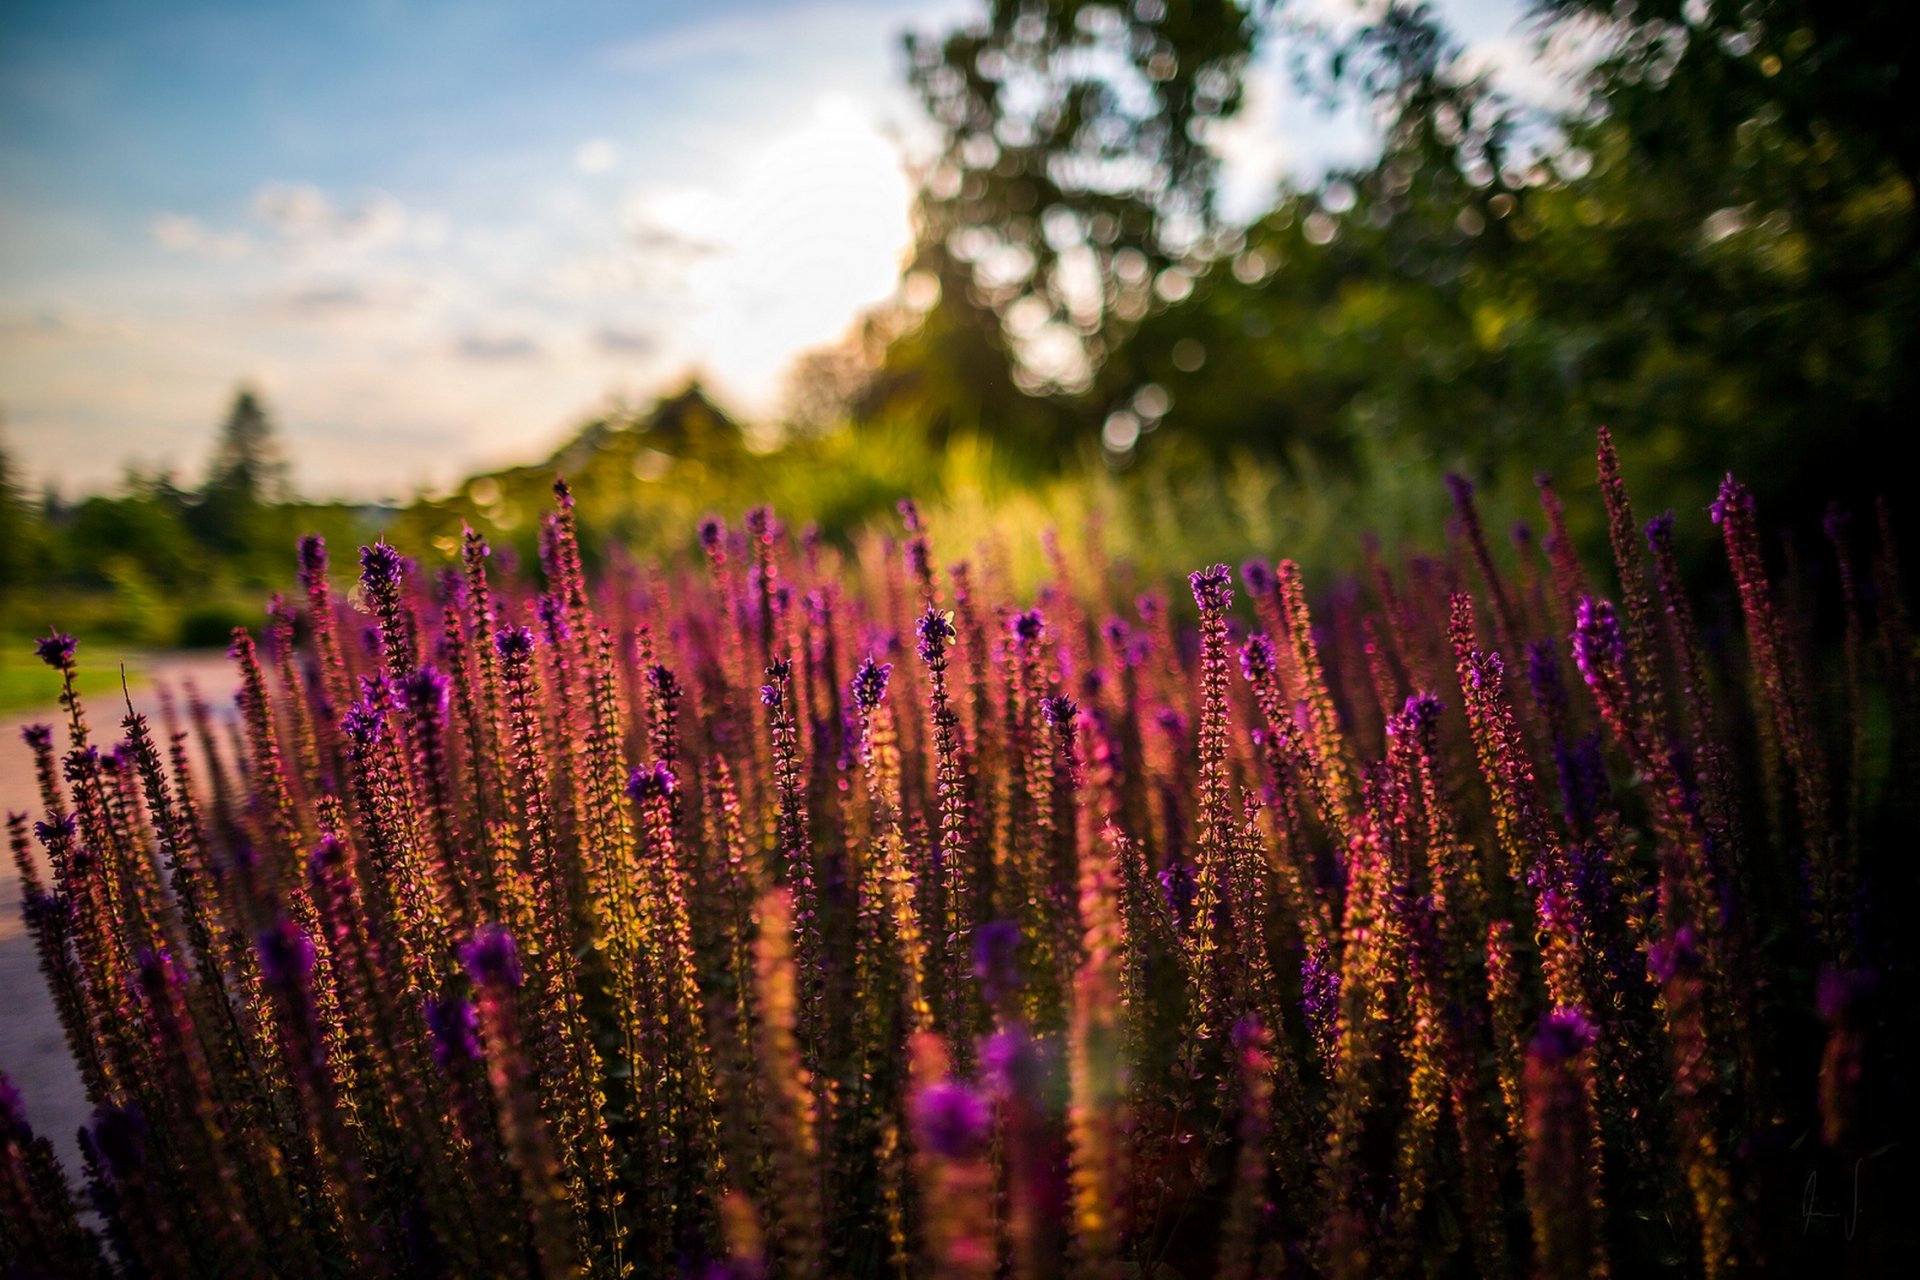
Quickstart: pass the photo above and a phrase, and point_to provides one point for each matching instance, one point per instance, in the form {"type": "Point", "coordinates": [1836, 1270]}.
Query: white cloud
{"type": "Point", "coordinates": [180, 233]}
{"type": "Point", "coordinates": [596, 155]}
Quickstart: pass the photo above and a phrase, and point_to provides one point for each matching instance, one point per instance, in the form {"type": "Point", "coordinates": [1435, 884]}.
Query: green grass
{"type": "Point", "coordinates": [25, 683]}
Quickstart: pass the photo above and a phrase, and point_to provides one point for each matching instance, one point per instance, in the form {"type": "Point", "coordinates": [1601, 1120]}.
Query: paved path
{"type": "Point", "coordinates": [33, 1049]}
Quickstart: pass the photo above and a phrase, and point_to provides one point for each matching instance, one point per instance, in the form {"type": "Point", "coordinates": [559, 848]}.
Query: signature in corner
{"type": "Point", "coordinates": [1811, 1210]}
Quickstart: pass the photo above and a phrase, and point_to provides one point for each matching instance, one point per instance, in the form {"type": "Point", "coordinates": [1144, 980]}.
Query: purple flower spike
{"type": "Point", "coordinates": [1257, 658]}
{"type": "Point", "coordinates": [514, 642]}
{"type": "Point", "coordinates": [870, 683]}
{"type": "Point", "coordinates": [1212, 588]}
{"type": "Point", "coordinates": [426, 690]}
{"type": "Point", "coordinates": [56, 650]}
{"type": "Point", "coordinates": [1733, 497]}
{"type": "Point", "coordinates": [364, 723]}
{"type": "Point", "coordinates": [712, 530]}
{"type": "Point", "coordinates": [1460, 487]}
{"type": "Point", "coordinates": [1677, 956]}
{"type": "Point", "coordinates": [119, 1135]}
{"type": "Point", "coordinates": [552, 612]}
{"type": "Point", "coordinates": [935, 630]}
{"type": "Point", "coordinates": [951, 1120]}
{"type": "Point", "coordinates": [909, 515]}
{"type": "Point", "coordinates": [1010, 1062]}
{"type": "Point", "coordinates": [996, 958]}
{"type": "Point", "coordinates": [1258, 575]}
{"type": "Point", "coordinates": [456, 1032]}
{"type": "Point", "coordinates": [1028, 627]}
{"type": "Point", "coordinates": [380, 567]}
{"type": "Point", "coordinates": [286, 954]}
{"type": "Point", "coordinates": [491, 957]}
{"type": "Point", "coordinates": [1598, 646]}
{"type": "Point", "coordinates": [1564, 1034]}
{"type": "Point", "coordinates": [1058, 709]}
{"type": "Point", "coordinates": [644, 784]}
{"type": "Point", "coordinates": [1659, 528]}
{"type": "Point", "coordinates": [313, 555]}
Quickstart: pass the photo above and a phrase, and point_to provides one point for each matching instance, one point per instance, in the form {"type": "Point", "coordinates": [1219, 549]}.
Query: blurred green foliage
{"type": "Point", "coordinates": [155, 564]}
{"type": "Point", "coordinates": [1712, 252]}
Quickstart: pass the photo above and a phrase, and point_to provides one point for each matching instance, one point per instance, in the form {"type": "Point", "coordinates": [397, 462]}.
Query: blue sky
{"type": "Point", "coordinates": [437, 234]}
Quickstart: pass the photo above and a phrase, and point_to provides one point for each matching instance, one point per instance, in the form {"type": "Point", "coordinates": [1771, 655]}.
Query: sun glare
{"type": "Point", "coordinates": [813, 229]}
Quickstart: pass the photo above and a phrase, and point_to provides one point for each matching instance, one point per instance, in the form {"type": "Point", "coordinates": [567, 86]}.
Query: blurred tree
{"type": "Point", "coordinates": [144, 527]}
{"type": "Point", "coordinates": [246, 474]}
{"type": "Point", "coordinates": [1072, 182]}
{"type": "Point", "coordinates": [21, 534]}
{"type": "Point", "coordinates": [1712, 250]}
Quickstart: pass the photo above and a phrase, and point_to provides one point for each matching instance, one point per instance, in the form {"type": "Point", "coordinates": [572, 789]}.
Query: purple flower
{"type": "Point", "coordinates": [935, 630]}
{"type": "Point", "coordinates": [1028, 626]}
{"type": "Point", "coordinates": [909, 515]}
{"type": "Point", "coordinates": [1676, 956]}
{"type": "Point", "coordinates": [328, 854]}
{"type": "Point", "coordinates": [514, 643]}
{"type": "Point", "coordinates": [996, 958]}
{"type": "Point", "coordinates": [1598, 646]}
{"type": "Point", "coordinates": [380, 567]}
{"type": "Point", "coordinates": [1258, 576]}
{"type": "Point", "coordinates": [1564, 1034]}
{"type": "Point", "coordinates": [365, 723]}
{"type": "Point", "coordinates": [1659, 529]}
{"type": "Point", "coordinates": [426, 690]}
{"type": "Point", "coordinates": [644, 784]}
{"type": "Point", "coordinates": [56, 650]}
{"type": "Point", "coordinates": [761, 524]}
{"type": "Point", "coordinates": [1460, 487]}
{"type": "Point", "coordinates": [455, 1029]}
{"type": "Point", "coordinates": [81, 763]}
{"type": "Point", "coordinates": [1423, 709]}
{"type": "Point", "coordinates": [1257, 658]}
{"type": "Point", "coordinates": [38, 737]}
{"type": "Point", "coordinates": [313, 555]}
{"type": "Point", "coordinates": [712, 530]}
{"type": "Point", "coordinates": [119, 1136]}
{"type": "Point", "coordinates": [491, 958]}
{"type": "Point", "coordinates": [1212, 588]}
{"type": "Point", "coordinates": [1010, 1061]}
{"type": "Point", "coordinates": [951, 1120]}
{"type": "Point", "coordinates": [552, 612]}
{"type": "Point", "coordinates": [1733, 497]}
{"type": "Point", "coordinates": [870, 683]}
{"type": "Point", "coordinates": [1320, 995]}
{"type": "Point", "coordinates": [13, 1113]}
{"type": "Point", "coordinates": [1058, 710]}
{"type": "Point", "coordinates": [286, 954]}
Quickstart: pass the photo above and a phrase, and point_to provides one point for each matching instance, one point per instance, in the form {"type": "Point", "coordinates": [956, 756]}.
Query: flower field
{"type": "Point", "coordinates": [798, 910]}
